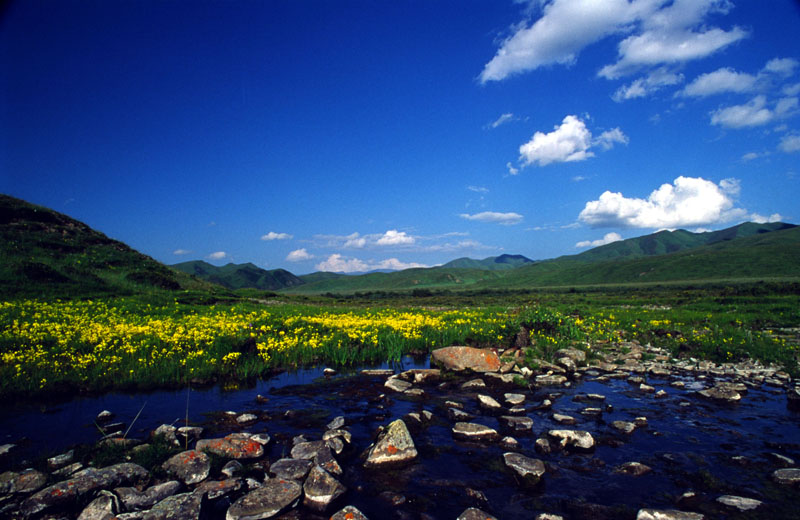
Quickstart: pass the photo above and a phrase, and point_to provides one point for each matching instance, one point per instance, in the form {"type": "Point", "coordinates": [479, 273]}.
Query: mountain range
{"type": "Point", "coordinates": [45, 253]}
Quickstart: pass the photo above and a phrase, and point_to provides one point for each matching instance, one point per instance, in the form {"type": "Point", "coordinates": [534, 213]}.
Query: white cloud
{"type": "Point", "coordinates": [721, 80]}
{"type": "Point", "coordinates": [478, 189]}
{"type": "Point", "coordinates": [511, 169]}
{"type": "Point", "coordinates": [570, 141]}
{"type": "Point", "coordinates": [354, 240]}
{"type": "Point", "coordinates": [395, 238]}
{"type": "Point", "coordinates": [505, 118]}
{"type": "Point", "coordinates": [750, 156]}
{"type": "Point", "coordinates": [507, 219]}
{"type": "Point", "coordinates": [782, 66]}
{"type": "Point", "coordinates": [337, 263]}
{"type": "Point", "coordinates": [181, 252]}
{"type": "Point", "coordinates": [646, 85]}
{"type": "Point", "coordinates": [790, 143]}
{"type": "Point", "coordinates": [579, 178]}
{"type": "Point", "coordinates": [760, 219]}
{"type": "Point", "coordinates": [752, 113]}
{"type": "Point", "coordinates": [785, 106]}
{"type": "Point", "coordinates": [276, 236]}
{"type": "Point", "coordinates": [688, 201]}
{"type": "Point", "coordinates": [299, 255]}
{"type": "Point", "coordinates": [791, 90]}
{"type": "Point", "coordinates": [607, 239]}
{"type": "Point", "coordinates": [219, 255]}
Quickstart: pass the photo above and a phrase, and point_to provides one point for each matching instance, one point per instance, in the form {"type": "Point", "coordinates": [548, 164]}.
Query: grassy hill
{"type": "Point", "coordinates": [239, 276]}
{"type": "Point", "coordinates": [492, 263]}
{"type": "Point", "coordinates": [44, 253]}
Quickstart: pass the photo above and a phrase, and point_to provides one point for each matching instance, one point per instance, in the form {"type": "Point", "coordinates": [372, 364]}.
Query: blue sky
{"type": "Point", "coordinates": [350, 136]}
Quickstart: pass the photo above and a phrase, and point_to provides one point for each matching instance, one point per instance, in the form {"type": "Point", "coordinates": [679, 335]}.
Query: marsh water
{"type": "Point", "coordinates": [691, 444]}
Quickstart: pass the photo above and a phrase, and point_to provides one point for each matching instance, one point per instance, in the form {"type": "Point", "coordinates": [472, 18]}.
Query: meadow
{"type": "Point", "coordinates": [151, 342]}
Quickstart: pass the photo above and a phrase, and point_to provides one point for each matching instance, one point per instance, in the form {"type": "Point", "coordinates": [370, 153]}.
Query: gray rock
{"type": "Point", "coordinates": [326, 460]}
{"type": "Point", "coordinates": [321, 489]}
{"type": "Point", "coordinates": [134, 500]}
{"type": "Point", "coordinates": [274, 497]}
{"type": "Point", "coordinates": [473, 384]}
{"type": "Point", "coordinates": [415, 392]}
{"type": "Point", "coordinates": [190, 467]}
{"type": "Point", "coordinates": [509, 443]}
{"type": "Point", "coordinates": [232, 468]}
{"type": "Point", "coordinates": [186, 506]}
{"type": "Point", "coordinates": [396, 384]}
{"type": "Point", "coordinates": [635, 469]}
{"type": "Point", "coordinates": [308, 450]}
{"type": "Point", "coordinates": [514, 399]}
{"type": "Point", "coordinates": [550, 380]}
{"type": "Point", "coordinates": [517, 423]}
{"type": "Point", "coordinates": [104, 507]}
{"type": "Point", "coordinates": [740, 503]}
{"type": "Point", "coordinates": [787, 476]}
{"type": "Point", "coordinates": [291, 469]}
{"type": "Point", "coordinates": [466, 358]}
{"type": "Point", "coordinates": [542, 446]}
{"type": "Point", "coordinates": [215, 489]}
{"type": "Point", "coordinates": [336, 424]}
{"type": "Point", "coordinates": [646, 388]}
{"type": "Point", "coordinates": [459, 415]}
{"type": "Point", "coordinates": [28, 481]}
{"type": "Point", "coordinates": [488, 403]}
{"type": "Point", "coordinates": [104, 416]}
{"type": "Point", "coordinates": [473, 513]}
{"type": "Point", "coordinates": [60, 461]}
{"type": "Point", "coordinates": [246, 418]}
{"type": "Point", "coordinates": [667, 514]}
{"type": "Point", "coordinates": [531, 470]}
{"type": "Point", "coordinates": [564, 419]}
{"type": "Point", "coordinates": [575, 439]}
{"type": "Point", "coordinates": [345, 435]}
{"type": "Point", "coordinates": [567, 364]}
{"type": "Point", "coordinates": [377, 372]}
{"type": "Point", "coordinates": [422, 375]}
{"type": "Point", "coordinates": [572, 353]}
{"type": "Point", "coordinates": [721, 393]}
{"type": "Point", "coordinates": [474, 432]}
{"type": "Point", "coordinates": [189, 433]}
{"type": "Point", "coordinates": [624, 426]}
{"type": "Point", "coordinates": [168, 433]}
{"type": "Point", "coordinates": [548, 516]}
{"type": "Point", "coordinates": [349, 513]}
{"type": "Point", "coordinates": [232, 446]}
{"type": "Point", "coordinates": [395, 446]}
{"type": "Point", "coordinates": [499, 379]}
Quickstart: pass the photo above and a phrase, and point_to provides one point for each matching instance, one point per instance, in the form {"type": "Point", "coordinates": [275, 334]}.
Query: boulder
{"type": "Point", "coordinates": [272, 498]}
{"type": "Point", "coordinates": [574, 439]}
{"type": "Point", "coordinates": [291, 469]}
{"type": "Point", "coordinates": [530, 470]}
{"type": "Point", "coordinates": [232, 447]}
{"type": "Point", "coordinates": [186, 506]}
{"type": "Point", "coordinates": [104, 507]}
{"type": "Point", "coordinates": [466, 358]}
{"type": "Point", "coordinates": [474, 432]}
{"type": "Point", "coordinates": [321, 489]}
{"type": "Point", "coordinates": [190, 467]}
{"type": "Point", "coordinates": [394, 447]}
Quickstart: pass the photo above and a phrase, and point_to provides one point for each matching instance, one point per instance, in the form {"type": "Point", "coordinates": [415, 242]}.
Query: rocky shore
{"type": "Point", "coordinates": [527, 428]}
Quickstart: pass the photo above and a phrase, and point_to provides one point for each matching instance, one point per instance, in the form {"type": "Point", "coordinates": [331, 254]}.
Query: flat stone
{"type": "Point", "coordinates": [550, 380]}
{"type": "Point", "coordinates": [576, 439]}
{"type": "Point", "coordinates": [721, 393]}
{"type": "Point", "coordinates": [472, 384]}
{"type": "Point", "coordinates": [564, 419]}
{"type": "Point", "coordinates": [215, 489]}
{"type": "Point", "coordinates": [517, 423]}
{"type": "Point", "coordinates": [377, 372]}
{"type": "Point", "coordinates": [459, 415]}
{"type": "Point", "coordinates": [787, 476]}
{"type": "Point", "coordinates": [232, 447]}
{"type": "Point", "coordinates": [395, 446]}
{"type": "Point", "coordinates": [321, 489]}
{"type": "Point", "coordinates": [349, 513]}
{"type": "Point", "coordinates": [466, 358]}
{"type": "Point", "coordinates": [291, 469]}
{"type": "Point", "coordinates": [272, 498]}
{"type": "Point", "coordinates": [740, 503]}
{"type": "Point", "coordinates": [422, 375]}
{"type": "Point", "coordinates": [474, 432]}
{"type": "Point", "coordinates": [531, 470]}
{"type": "Point", "coordinates": [667, 514]}
{"type": "Point", "coordinates": [624, 426]}
{"type": "Point", "coordinates": [134, 500]}
{"type": "Point", "coordinates": [190, 467]}
{"type": "Point", "coordinates": [396, 384]}
{"type": "Point", "coordinates": [488, 403]}
{"type": "Point", "coordinates": [247, 418]}
{"type": "Point", "coordinates": [514, 399]}
{"type": "Point", "coordinates": [473, 513]}
{"type": "Point", "coordinates": [308, 449]}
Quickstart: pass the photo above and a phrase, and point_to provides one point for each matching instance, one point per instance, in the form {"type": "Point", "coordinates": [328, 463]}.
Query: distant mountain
{"type": "Point", "coordinates": [44, 253]}
{"type": "Point", "coordinates": [239, 276]}
{"type": "Point", "coordinates": [492, 263]}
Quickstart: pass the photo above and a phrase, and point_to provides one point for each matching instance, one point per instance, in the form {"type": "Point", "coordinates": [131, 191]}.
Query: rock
{"type": "Point", "coordinates": [345, 435]}
{"type": "Point", "coordinates": [488, 403]}
{"type": "Point", "coordinates": [473, 513]}
{"type": "Point", "coordinates": [466, 358]}
{"type": "Point", "coordinates": [189, 433]}
{"type": "Point", "coordinates": [186, 506]}
{"type": "Point", "coordinates": [321, 489]}
{"type": "Point", "coordinates": [624, 426]}
{"type": "Point", "coordinates": [509, 443]}
{"type": "Point", "coordinates": [635, 469]}
{"type": "Point", "coordinates": [531, 470]}
{"type": "Point", "coordinates": [104, 416]}
{"type": "Point", "coordinates": [575, 439]}
{"type": "Point", "coordinates": [459, 415]}
{"type": "Point", "coordinates": [82, 485]}
{"type": "Point", "coordinates": [326, 460]}
{"type": "Point", "coordinates": [782, 460]}
{"type": "Point", "coordinates": [667, 514]}
{"type": "Point", "coordinates": [787, 476]}
{"type": "Point", "coordinates": [396, 384]}
{"type": "Point", "coordinates": [474, 432]}
{"type": "Point", "coordinates": [190, 467]}
{"type": "Point", "coordinates": [232, 468]}
{"type": "Point", "coordinates": [721, 393]}
{"type": "Point", "coordinates": [661, 394]}
{"type": "Point", "coordinates": [564, 419]}
{"type": "Point", "coordinates": [134, 500]}
{"type": "Point", "coordinates": [415, 392]}
{"type": "Point", "coordinates": [518, 424]}
{"type": "Point", "coordinates": [422, 375]}
{"type": "Point", "coordinates": [392, 498]}
{"type": "Point", "coordinates": [232, 447]}
{"type": "Point", "coordinates": [328, 372]}
{"type": "Point", "coordinates": [28, 481]}
{"type": "Point", "coordinates": [291, 469]}
{"type": "Point", "coordinates": [548, 516]}
{"type": "Point", "coordinates": [592, 411]}
{"type": "Point", "coordinates": [646, 388]}
{"type": "Point", "coordinates": [514, 399]}
{"type": "Point", "coordinates": [104, 507]}
{"type": "Point", "coordinates": [473, 384]}
{"type": "Point", "coordinates": [168, 433]}
{"type": "Point", "coordinates": [215, 489]}
{"type": "Point", "coordinates": [550, 380]}
{"type": "Point", "coordinates": [274, 497]}
{"type": "Point", "coordinates": [740, 503]}
{"type": "Point", "coordinates": [567, 364]}
{"type": "Point", "coordinates": [499, 379]}
{"type": "Point", "coordinates": [395, 446]}
{"type": "Point", "coordinates": [640, 422]}
{"type": "Point", "coordinates": [60, 460]}
{"type": "Point", "coordinates": [308, 449]}
{"type": "Point", "coordinates": [246, 418]}
{"type": "Point", "coordinates": [542, 446]}
{"type": "Point", "coordinates": [377, 372]}
{"type": "Point", "coordinates": [349, 513]}
{"type": "Point", "coordinates": [336, 424]}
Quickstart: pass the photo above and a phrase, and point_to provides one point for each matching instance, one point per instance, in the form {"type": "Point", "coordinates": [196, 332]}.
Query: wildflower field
{"type": "Point", "coordinates": [126, 343]}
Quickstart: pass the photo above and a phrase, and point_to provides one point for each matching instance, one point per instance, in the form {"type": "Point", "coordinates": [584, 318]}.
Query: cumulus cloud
{"type": "Point", "coordinates": [753, 113]}
{"type": "Point", "coordinates": [337, 263]}
{"type": "Point", "coordinates": [656, 32]}
{"type": "Point", "coordinates": [219, 255]}
{"type": "Point", "coordinates": [395, 238]}
{"type": "Point", "coordinates": [607, 239]}
{"type": "Point", "coordinates": [299, 255]}
{"type": "Point", "coordinates": [570, 141]}
{"type": "Point", "coordinates": [276, 236]}
{"type": "Point", "coordinates": [507, 219]}
{"type": "Point", "coordinates": [180, 252]}
{"type": "Point", "coordinates": [687, 202]}
{"type": "Point", "coordinates": [648, 84]}
{"type": "Point", "coordinates": [790, 143]}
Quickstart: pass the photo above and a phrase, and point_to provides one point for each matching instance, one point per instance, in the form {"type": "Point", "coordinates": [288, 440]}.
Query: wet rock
{"type": "Point", "coordinates": [396, 384]}
{"type": "Point", "coordinates": [104, 507]}
{"type": "Point", "coordinates": [328, 372]}
{"type": "Point", "coordinates": [667, 514]}
{"type": "Point", "coordinates": [291, 469]}
{"type": "Point", "coordinates": [215, 489]}
{"type": "Point", "coordinates": [646, 388]}
{"type": "Point", "coordinates": [550, 380]}
{"type": "Point", "coordinates": [232, 468]}
{"type": "Point", "coordinates": [321, 489]}
{"type": "Point", "coordinates": [134, 500]}
{"type": "Point", "coordinates": [186, 506]}
{"type": "Point", "coordinates": [517, 423]}
{"type": "Point", "coordinates": [167, 432]}
{"type": "Point", "coordinates": [28, 481]}
{"type": "Point", "coordinates": [246, 419]}
{"type": "Point", "coordinates": [592, 411]}
{"type": "Point", "coordinates": [190, 467]}
{"type": "Point", "coordinates": [787, 476]}
{"type": "Point", "coordinates": [575, 439]}
{"type": "Point", "coordinates": [499, 379]}
{"type": "Point", "coordinates": [395, 446]}
{"type": "Point", "coordinates": [61, 460]}
{"type": "Point", "coordinates": [422, 375]}
{"type": "Point", "coordinates": [542, 446]}
{"type": "Point", "coordinates": [531, 470]}
{"type": "Point", "coordinates": [344, 435]}
{"type": "Point", "coordinates": [661, 394]}
{"type": "Point", "coordinates": [473, 384]}
{"type": "Point", "coordinates": [782, 460]}
{"type": "Point", "coordinates": [564, 419]}
{"type": "Point", "coordinates": [189, 433]}
{"type": "Point", "coordinates": [274, 497]}
{"type": "Point", "coordinates": [509, 443]}
{"type": "Point", "coordinates": [392, 498]}
{"type": "Point", "coordinates": [473, 513]}
{"type": "Point", "coordinates": [488, 403]}
{"type": "Point", "coordinates": [308, 449]}
{"type": "Point", "coordinates": [233, 447]}
{"type": "Point", "coordinates": [104, 417]}
{"type": "Point", "coordinates": [514, 399]}
{"type": "Point", "coordinates": [336, 424]}
{"type": "Point", "coordinates": [635, 469]}
{"type": "Point", "coordinates": [466, 358]}
{"type": "Point", "coordinates": [459, 415]}
{"type": "Point", "coordinates": [721, 393]}
{"type": "Point", "coordinates": [740, 503]}
{"type": "Point", "coordinates": [377, 372]}
{"type": "Point", "coordinates": [474, 432]}
{"type": "Point", "coordinates": [624, 426]}
{"type": "Point", "coordinates": [80, 486]}
{"type": "Point", "coordinates": [349, 513]}
{"type": "Point", "coordinates": [415, 392]}
{"type": "Point", "coordinates": [640, 422]}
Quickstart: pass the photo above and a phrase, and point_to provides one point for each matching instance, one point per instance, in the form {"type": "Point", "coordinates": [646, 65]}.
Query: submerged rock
{"type": "Point", "coordinates": [275, 496]}
{"type": "Point", "coordinates": [395, 446]}
{"type": "Point", "coordinates": [634, 469]}
{"type": "Point", "coordinates": [531, 470]}
{"type": "Point", "coordinates": [466, 358]}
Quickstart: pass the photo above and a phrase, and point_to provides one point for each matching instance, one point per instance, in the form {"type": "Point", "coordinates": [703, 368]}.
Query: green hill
{"type": "Point", "coordinates": [44, 253]}
{"type": "Point", "coordinates": [492, 263]}
{"type": "Point", "coordinates": [239, 276]}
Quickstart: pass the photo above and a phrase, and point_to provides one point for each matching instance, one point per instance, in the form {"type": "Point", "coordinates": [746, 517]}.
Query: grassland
{"type": "Point", "coordinates": [146, 342]}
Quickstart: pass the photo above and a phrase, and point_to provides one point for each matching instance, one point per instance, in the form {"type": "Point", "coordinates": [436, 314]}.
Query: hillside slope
{"type": "Point", "coordinates": [492, 263]}
{"type": "Point", "coordinates": [239, 276]}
